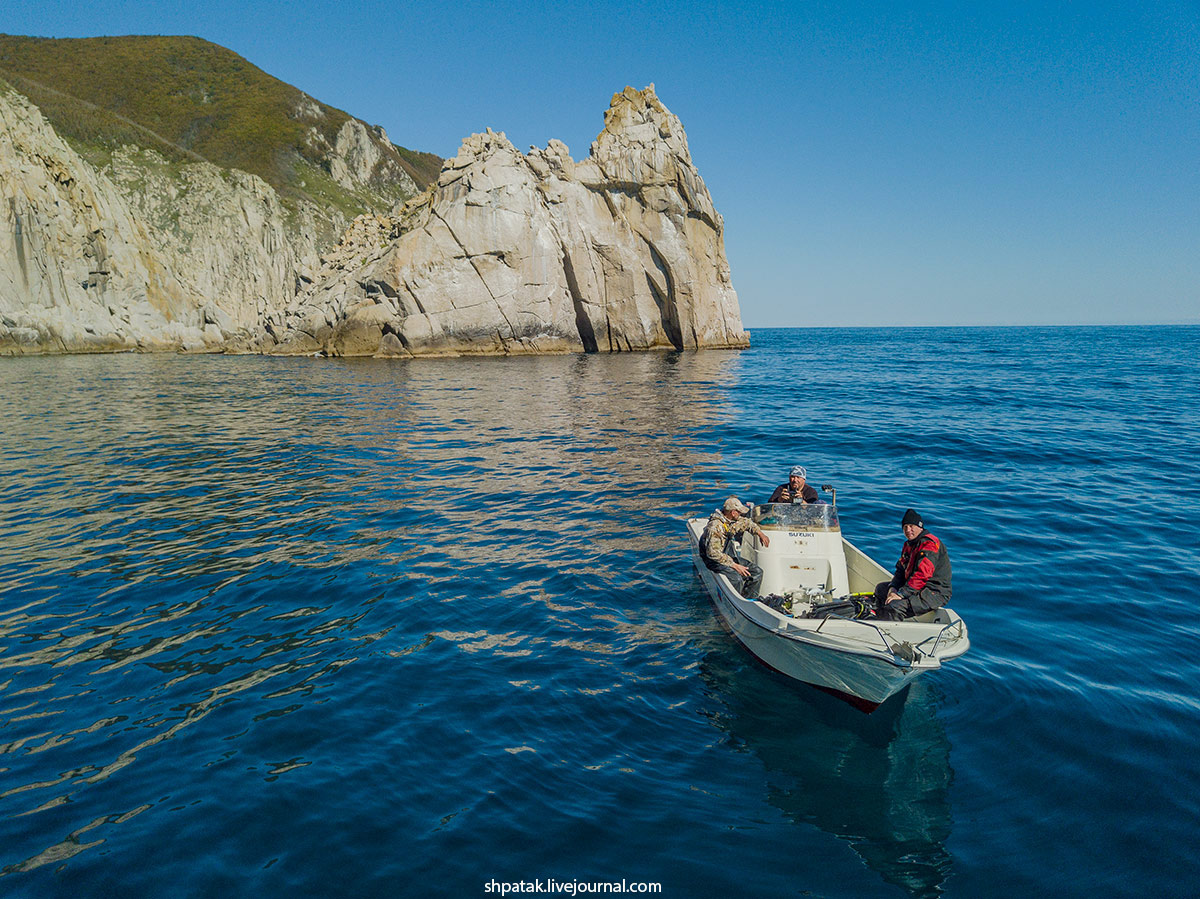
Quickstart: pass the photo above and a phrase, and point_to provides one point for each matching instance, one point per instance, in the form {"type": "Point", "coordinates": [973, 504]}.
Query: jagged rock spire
{"type": "Point", "coordinates": [536, 253]}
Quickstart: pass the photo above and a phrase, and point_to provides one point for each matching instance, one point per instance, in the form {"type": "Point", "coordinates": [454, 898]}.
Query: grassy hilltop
{"type": "Point", "coordinates": [190, 99]}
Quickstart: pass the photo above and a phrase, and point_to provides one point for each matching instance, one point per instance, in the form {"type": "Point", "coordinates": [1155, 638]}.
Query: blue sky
{"type": "Point", "coordinates": [876, 163]}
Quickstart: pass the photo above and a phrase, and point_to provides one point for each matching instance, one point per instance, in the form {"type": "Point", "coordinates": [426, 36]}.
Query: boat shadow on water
{"type": "Point", "coordinates": [880, 783]}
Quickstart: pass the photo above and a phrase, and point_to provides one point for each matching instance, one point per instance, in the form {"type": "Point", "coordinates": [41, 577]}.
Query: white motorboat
{"type": "Point", "coordinates": [807, 565]}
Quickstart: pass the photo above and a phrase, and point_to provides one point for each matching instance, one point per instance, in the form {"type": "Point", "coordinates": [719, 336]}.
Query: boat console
{"type": "Point", "coordinates": [806, 552]}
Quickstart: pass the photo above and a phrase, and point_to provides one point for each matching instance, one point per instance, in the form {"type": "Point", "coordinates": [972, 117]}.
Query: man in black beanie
{"type": "Point", "coordinates": [922, 578]}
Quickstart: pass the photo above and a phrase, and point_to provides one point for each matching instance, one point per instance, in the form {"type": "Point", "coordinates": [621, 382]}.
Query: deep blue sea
{"type": "Point", "coordinates": [322, 627]}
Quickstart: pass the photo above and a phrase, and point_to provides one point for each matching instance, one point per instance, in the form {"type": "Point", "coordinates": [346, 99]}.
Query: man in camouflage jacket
{"type": "Point", "coordinates": [724, 525]}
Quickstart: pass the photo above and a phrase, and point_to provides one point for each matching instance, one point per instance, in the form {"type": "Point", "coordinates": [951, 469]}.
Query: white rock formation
{"type": "Point", "coordinates": [357, 157]}
{"type": "Point", "coordinates": [223, 234]}
{"type": "Point", "coordinates": [512, 253]}
{"type": "Point", "coordinates": [357, 160]}
{"type": "Point", "coordinates": [145, 255]}
{"type": "Point", "coordinates": [76, 274]}
{"type": "Point", "coordinates": [506, 253]}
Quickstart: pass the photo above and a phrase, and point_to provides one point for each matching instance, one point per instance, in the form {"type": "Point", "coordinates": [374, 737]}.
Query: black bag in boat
{"type": "Point", "coordinates": [778, 603]}
{"type": "Point", "coordinates": [849, 607]}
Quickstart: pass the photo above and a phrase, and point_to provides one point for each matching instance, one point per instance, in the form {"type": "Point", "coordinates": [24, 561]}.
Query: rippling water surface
{"type": "Point", "coordinates": [316, 627]}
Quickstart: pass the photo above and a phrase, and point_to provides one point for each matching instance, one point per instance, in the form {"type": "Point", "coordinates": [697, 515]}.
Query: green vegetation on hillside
{"type": "Point", "coordinates": [94, 132]}
{"type": "Point", "coordinates": [187, 99]}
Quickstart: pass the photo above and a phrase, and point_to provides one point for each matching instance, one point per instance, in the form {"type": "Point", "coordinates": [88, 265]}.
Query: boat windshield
{"type": "Point", "coordinates": [796, 516]}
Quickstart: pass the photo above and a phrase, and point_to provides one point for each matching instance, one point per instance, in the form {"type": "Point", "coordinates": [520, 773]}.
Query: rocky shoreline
{"type": "Point", "coordinates": [505, 253]}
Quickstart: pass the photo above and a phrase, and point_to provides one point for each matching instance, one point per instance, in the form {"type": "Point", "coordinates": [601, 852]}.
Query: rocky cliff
{"type": "Point", "coordinates": [505, 253]}
{"type": "Point", "coordinates": [533, 253]}
{"type": "Point", "coordinates": [178, 214]}
{"type": "Point", "coordinates": [143, 254]}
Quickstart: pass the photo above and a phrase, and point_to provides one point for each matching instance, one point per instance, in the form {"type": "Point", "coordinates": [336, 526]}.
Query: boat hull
{"type": "Point", "coordinates": [855, 660]}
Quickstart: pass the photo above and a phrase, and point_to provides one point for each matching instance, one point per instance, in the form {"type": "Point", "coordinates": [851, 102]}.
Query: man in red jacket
{"type": "Point", "coordinates": [922, 578]}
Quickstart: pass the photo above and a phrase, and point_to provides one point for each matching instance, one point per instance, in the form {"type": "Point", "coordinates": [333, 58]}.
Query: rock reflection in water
{"type": "Point", "coordinates": [880, 783]}
{"type": "Point", "coordinates": [479, 438]}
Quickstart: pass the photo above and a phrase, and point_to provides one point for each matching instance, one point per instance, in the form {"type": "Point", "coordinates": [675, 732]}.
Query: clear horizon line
{"type": "Point", "coordinates": [1180, 323]}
